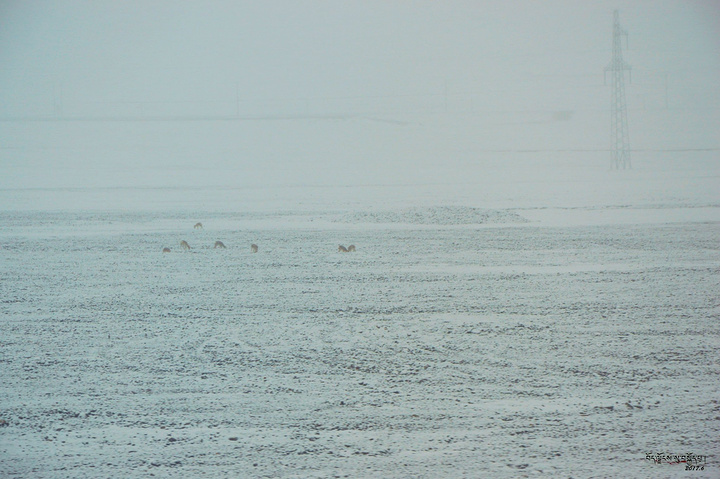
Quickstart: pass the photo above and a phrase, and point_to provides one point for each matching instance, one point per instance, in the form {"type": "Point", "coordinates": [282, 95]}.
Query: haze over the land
{"type": "Point", "coordinates": [256, 94]}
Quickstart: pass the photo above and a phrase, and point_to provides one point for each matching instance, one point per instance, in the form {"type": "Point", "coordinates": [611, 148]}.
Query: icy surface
{"type": "Point", "coordinates": [440, 348]}
{"type": "Point", "coordinates": [515, 325]}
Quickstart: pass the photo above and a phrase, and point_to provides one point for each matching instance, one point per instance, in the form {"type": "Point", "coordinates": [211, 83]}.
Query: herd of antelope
{"type": "Point", "coordinates": [253, 247]}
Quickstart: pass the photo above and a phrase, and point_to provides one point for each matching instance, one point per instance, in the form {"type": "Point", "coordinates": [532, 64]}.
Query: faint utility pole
{"type": "Point", "coordinates": [446, 94]}
{"type": "Point", "coordinates": [237, 99]}
{"type": "Point", "coordinates": [619, 122]}
{"type": "Point", "coordinates": [57, 102]}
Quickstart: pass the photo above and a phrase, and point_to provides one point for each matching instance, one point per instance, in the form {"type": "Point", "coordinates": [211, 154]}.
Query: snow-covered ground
{"type": "Point", "coordinates": [518, 326]}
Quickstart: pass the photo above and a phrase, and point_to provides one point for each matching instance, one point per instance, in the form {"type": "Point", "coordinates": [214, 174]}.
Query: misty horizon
{"type": "Point", "coordinates": [243, 94]}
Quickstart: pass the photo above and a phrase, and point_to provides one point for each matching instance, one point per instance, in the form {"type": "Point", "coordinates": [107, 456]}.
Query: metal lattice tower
{"type": "Point", "coordinates": [619, 122]}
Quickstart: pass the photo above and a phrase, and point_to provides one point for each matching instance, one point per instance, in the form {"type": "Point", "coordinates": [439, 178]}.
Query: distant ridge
{"type": "Point", "coordinates": [437, 215]}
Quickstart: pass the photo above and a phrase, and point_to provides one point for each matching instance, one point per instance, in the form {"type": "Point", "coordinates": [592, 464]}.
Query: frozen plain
{"type": "Point", "coordinates": [566, 329]}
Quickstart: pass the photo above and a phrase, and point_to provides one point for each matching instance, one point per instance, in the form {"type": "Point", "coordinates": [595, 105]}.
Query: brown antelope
{"type": "Point", "coordinates": [198, 226]}
{"type": "Point", "coordinates": [219, 244]}
{"type": "Point", "coordinates": [184, 245]}
{"type": "Point", "coordinates": [254, 248]}
{"type": "Point", "coordinates": [351, 248]}
{"type": "Point", "coordinates": [166, 250]}
{"type": "Point", "coordinates": [342, 249]}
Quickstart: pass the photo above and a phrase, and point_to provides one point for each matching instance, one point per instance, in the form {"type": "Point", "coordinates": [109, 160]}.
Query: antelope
{"type": "Point", "coordinates": [254, 248]}
{"type": "Point", "coordinates": [198, 226]}
{"type": "Point", "coordinates": [166, 250]}
{"type": "Point", "coordinates": [342, 249]}
{"type": "Point", "coordinates": [184, 245]}
{"type": "Point", "coordinates": [351, 248]}
{"type": "Point", "coordinates": [219, 244]}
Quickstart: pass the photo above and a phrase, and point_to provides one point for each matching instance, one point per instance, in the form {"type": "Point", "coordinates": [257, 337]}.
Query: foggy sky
{"type": "Point", "coordinates": [419, 80]}
{"type": "Point", "coordinates": [200, 51]}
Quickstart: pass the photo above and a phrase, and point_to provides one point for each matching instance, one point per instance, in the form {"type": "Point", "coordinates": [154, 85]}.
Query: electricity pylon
{"type": "Point", "coordinates": [618, 121]}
